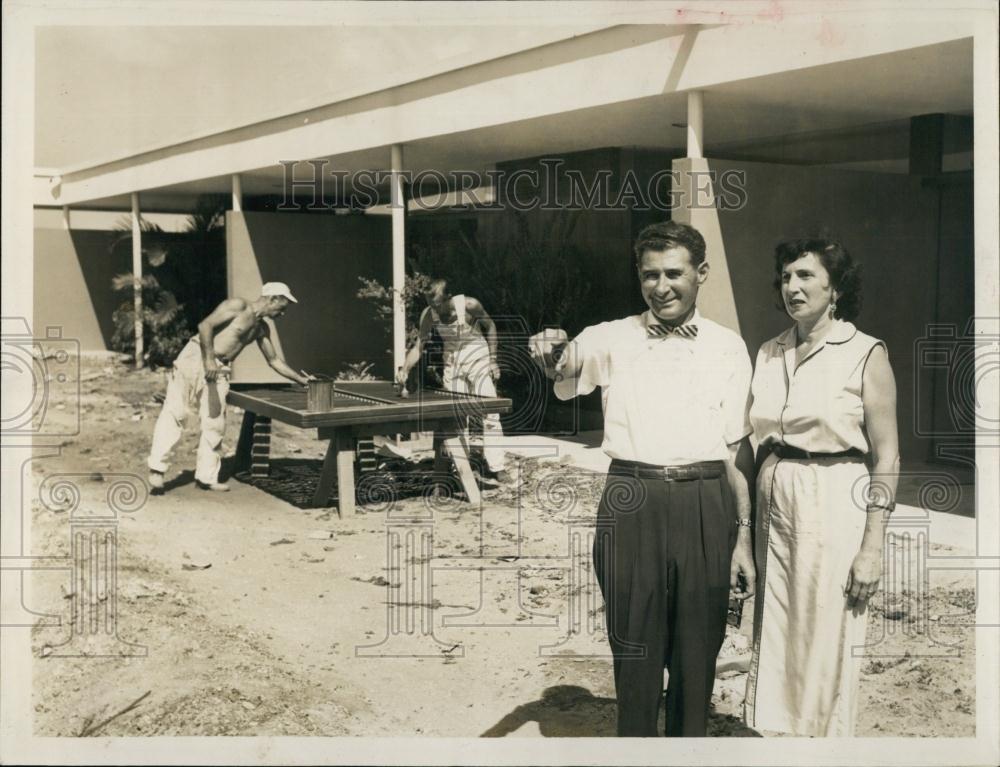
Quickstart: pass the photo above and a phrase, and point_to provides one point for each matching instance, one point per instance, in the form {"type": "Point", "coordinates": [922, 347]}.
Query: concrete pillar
{"type": "Point", "coordinates": [237, 194]}
{"type": "Point", "coordinates": [695, 123]}
{"type": "Point", "coordinates": [398, 205]}
{"type": "Point", "coordinates": [697, 208]}
{"type": "Point", "coordinates": [65, 217]}
{"type": "Point", "coordinates": [137, 277]}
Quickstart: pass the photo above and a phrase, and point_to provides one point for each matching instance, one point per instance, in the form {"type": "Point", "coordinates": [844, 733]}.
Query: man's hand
{"type": "Point", "coordinates": [211, 370]}
{"type": "Point", "coordinates": [494, 370]}
{"type": "Point", "coordinates": [304, 378]}
{"type": "Point", "coordinates": [544, 347]}
{"type": "Point", "coordinates": [742, 565]}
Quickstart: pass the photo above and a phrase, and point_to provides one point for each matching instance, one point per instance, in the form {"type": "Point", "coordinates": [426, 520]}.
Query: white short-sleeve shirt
{"type": "Point", "coordinates": [670, 400]}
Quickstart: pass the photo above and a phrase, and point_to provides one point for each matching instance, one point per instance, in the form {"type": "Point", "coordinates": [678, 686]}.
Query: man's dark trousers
{"type": "Point", "coordinates": [662, 550]}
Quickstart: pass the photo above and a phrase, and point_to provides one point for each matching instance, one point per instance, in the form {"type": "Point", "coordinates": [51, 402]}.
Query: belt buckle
{"type": "Point", "coordinates": [675, 473]}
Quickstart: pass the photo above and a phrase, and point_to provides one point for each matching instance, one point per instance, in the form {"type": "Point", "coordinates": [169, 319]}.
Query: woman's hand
{"type": "Point", "coordinates": [865, 574]}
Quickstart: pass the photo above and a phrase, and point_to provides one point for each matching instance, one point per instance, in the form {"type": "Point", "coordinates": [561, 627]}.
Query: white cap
{"type": "Point", "coordinates": [277, 289]}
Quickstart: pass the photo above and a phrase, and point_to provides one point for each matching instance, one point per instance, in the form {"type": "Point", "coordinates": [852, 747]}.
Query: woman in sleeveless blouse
{"type": "Point", "coordinates": [824, 405]}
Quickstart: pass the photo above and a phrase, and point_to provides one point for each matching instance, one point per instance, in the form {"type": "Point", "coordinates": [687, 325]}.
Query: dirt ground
{"type": "Point", "coordinates": [249, 613]}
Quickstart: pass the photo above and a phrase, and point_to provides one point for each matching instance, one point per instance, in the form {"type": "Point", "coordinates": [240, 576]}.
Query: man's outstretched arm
{"type": "Point", "coordinates": [576, 367]}
{"type": "Point", "coordinates": [413, 355]}
{"type": "Point", "coordinates": [278, 365]}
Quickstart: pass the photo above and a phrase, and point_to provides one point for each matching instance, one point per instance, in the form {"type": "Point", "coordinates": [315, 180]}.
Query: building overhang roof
{"type": "Point", "coordinates": [617, 86]}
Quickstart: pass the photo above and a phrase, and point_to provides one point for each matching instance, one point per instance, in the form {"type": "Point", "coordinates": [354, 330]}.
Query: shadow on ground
{"type": "Point", "coordinates": [570, 711]}
{"type": "Point", "coordinates": [294, 480]}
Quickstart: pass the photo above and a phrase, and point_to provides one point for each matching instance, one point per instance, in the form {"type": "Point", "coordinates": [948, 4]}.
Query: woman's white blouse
{"type": "Point", "coordinates": [817, 406]}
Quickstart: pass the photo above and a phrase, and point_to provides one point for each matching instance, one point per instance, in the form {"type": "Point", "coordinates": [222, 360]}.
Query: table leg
{"type": "Point", "coordinates": [260, 448]}
{"type": "Point", "coordinates": [346, 448]}
{"type": "Point", "coordinates": [456, 448]}
{"type": "Point", "coordinates": [338, 464]}
{"type": "Point", "coordinates": [327, 475]}
{"type": "Point", "coordinates": [245, 443]}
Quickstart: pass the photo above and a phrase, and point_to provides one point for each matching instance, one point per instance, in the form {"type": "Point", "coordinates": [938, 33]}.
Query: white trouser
{"type": "Point", "coordinates": [186, 385]}
{"type": "Point", "coordinates": [467, 371]}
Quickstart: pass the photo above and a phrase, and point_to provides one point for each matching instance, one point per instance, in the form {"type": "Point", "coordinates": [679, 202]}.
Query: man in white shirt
{"type": "Point", "coordinates": [673, 535]}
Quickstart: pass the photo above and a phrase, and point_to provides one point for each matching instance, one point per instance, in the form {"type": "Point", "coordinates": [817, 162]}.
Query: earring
{"type": "Point", "coordinates": [833, 308]}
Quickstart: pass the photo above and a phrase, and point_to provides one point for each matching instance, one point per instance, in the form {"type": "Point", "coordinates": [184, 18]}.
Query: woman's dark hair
{"type": "Point", "coordinates": [670, 234]}
{"type": "Point", "coordinates": [845, 274]}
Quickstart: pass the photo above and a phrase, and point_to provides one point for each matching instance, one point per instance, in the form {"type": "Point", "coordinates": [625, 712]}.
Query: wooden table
{"type": "Point", "coordinates": [360, 409]}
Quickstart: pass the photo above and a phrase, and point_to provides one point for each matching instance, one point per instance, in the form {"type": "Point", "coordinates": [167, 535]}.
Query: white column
{"type": "Point", "coordinates": [65, 217]}
{"type": "Point", "coordinates": [237, 193]}
{"type": "Point", "coordinates": [137, 277]}
{"type": "Point", "coordinates": [695, 135]}
{"type": "Point", "coordinates": [398, 205]}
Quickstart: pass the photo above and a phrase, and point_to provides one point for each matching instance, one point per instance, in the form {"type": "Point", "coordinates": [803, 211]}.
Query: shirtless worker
{"type": "Point", "coordinates": [470, 358]}
{"type": "Point", "coordinates": [201, 373]}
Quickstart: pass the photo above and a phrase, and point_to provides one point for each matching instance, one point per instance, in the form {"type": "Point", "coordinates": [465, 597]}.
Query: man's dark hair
{"type": "Point", "coordinates": [845, 274]}
{"type": "Point", "coordinates": [670, 234]}
{"type": "Point", "coordinates": [436, 287]}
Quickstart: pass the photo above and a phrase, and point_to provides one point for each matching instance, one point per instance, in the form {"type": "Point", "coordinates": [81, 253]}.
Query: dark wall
{"type": "Point", "coordinates": [602, 232]}
{"type": "Point", "coordinates": [320, 257]}
{"type": "Point", "coordinates": [73, 270]}
{"type": "Point", "coordinates": [889, 222]}
{"type": "Point", "coordinates": [953, 423]}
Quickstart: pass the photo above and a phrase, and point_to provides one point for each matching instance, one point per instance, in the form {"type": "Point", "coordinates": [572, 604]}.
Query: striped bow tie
{"type": "Point", "coordinates": [661, 331]}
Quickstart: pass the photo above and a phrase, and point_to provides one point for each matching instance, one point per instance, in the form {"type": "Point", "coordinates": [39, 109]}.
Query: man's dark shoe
{"type": "Point", "coordinates": [218, 487]}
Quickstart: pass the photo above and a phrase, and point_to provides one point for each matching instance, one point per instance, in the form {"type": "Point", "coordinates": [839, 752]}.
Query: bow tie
{"type": "Point", "coordinates": [658, 330]}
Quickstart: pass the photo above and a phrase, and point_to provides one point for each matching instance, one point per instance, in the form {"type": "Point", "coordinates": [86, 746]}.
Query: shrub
{"type": "Point", "coordinates": [165, 328]}
{"type": "Point", "coordinates": [356, 371]}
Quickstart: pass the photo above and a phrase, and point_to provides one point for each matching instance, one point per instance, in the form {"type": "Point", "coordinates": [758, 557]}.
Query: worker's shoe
{"type": "Point", "coordinates": [156, 480]}
{"type": "Point", "coordinates": [504, 477]}
{"type": "Point", "coordinates": [218, 487]}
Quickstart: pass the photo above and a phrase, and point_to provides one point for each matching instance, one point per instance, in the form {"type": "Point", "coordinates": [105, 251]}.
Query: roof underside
{"type": "Point", "coordinates": [623, 86]}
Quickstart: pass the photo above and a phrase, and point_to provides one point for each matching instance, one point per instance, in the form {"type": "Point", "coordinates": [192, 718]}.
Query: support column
{"type": "Point", "coordinates": [65, 217]}
{"type": "Point", "coordinates": [398, 205]}
{"type": "Point", "coordinates": [695, 123]}
{"type": "Point", "coordinates": [697, 207]}
{"type": "Point", "coordinates": [237, 194]}
{"type": "Point", "coordinates": [137, 277]}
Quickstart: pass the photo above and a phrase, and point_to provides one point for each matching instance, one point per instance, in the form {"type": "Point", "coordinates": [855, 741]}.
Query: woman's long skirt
{"type": "Point", "coordinates": [808, 642]}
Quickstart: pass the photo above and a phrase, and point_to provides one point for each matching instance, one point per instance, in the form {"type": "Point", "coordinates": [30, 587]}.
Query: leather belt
{"type": "Point", "coordinates": [798, 454]}
{"type": "Point", "coordinates": [700, 470]}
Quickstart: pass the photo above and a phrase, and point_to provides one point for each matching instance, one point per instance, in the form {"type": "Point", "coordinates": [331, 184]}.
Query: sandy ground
{"type": "Point", "coordinates": [246, 613]}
